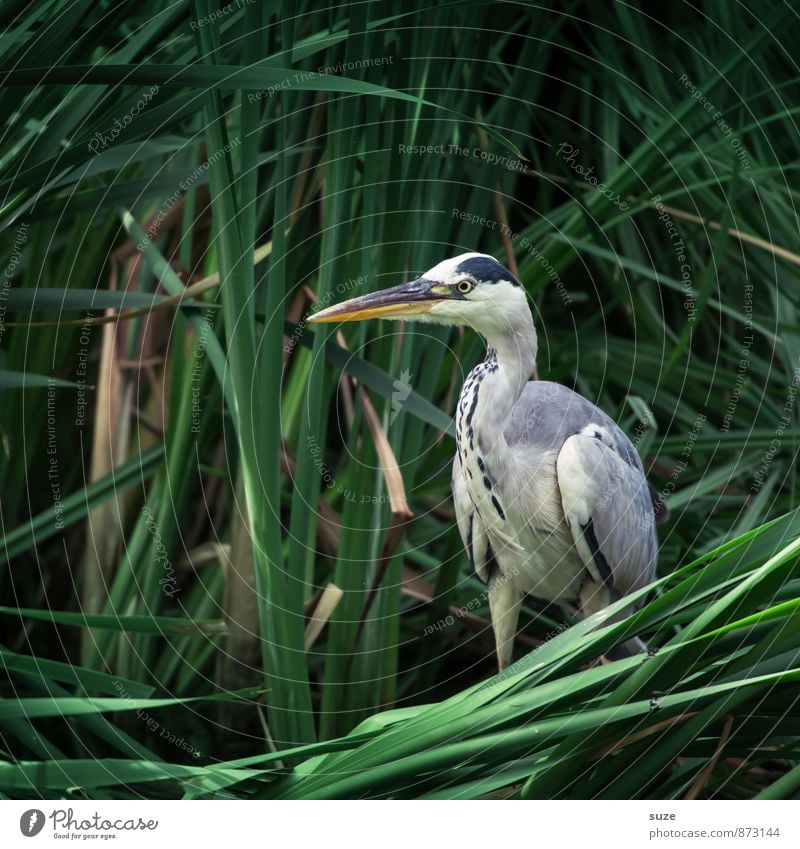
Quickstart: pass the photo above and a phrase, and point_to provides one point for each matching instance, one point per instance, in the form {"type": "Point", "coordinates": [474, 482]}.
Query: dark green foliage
{"type": "Point", "coordinates": [179, 485]}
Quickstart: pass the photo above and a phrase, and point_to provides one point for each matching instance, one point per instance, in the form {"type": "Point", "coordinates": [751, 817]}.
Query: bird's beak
{"type": "Point", "coordinates": [405, 301]}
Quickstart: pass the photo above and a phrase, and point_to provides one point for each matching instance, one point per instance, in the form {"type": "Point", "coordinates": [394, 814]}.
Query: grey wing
{"type": "Point", "coordinates": [604, 494]}
{"type": "Point", "coordinates": [608, 509]}
{"type": "Point", "coordinates": [470, 526]}
{"type": "Point", "coordinates": [547, 414]}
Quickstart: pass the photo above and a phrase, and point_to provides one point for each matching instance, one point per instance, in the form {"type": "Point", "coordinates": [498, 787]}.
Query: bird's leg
{"type": "Point", "coordinates": [593, 597]}
{"type": "Point", "coordinates": [505, 602]}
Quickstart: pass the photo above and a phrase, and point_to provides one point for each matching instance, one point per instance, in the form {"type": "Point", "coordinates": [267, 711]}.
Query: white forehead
{"type": "Point", "coordinates": [446, 269]}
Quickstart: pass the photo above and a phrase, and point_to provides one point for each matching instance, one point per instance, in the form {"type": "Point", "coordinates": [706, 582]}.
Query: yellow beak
{"type": "Point", "coordinates": [404, 301]}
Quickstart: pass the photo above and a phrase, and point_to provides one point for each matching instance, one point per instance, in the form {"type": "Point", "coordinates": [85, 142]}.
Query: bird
{"type": "Point", "coordinates": [551, 499]}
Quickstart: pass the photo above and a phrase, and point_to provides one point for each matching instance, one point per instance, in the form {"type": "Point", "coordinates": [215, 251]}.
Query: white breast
{"type": "Point", "coordinates": [518, 503]}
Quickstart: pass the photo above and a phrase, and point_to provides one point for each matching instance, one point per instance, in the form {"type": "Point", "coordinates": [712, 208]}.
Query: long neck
{"type": "Point", "coordinates": [500, 379]}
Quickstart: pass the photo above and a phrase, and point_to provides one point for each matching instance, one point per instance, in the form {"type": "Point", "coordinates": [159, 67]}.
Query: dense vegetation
{"type": "Point", "coordinates": [213, 583]}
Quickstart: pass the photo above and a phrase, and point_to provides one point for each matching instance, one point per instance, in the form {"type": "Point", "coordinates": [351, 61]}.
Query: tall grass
{"type": "Point", "coordinates": [212, 585]}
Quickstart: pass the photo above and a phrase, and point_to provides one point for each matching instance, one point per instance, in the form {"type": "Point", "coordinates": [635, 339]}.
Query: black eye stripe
{"type": "Point", "coordinates": [486, 270]}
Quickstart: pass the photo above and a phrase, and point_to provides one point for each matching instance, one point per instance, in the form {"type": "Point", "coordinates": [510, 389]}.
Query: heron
{"type": "Point", "coordinates": [550, 495]}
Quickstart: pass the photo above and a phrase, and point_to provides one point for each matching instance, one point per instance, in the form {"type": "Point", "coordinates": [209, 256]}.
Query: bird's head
{"type": "Point", "coordinates": [471, 289]}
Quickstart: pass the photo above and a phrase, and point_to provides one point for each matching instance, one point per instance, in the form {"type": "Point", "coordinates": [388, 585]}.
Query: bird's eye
{"type": "Point", "coordinates": [464, 286]}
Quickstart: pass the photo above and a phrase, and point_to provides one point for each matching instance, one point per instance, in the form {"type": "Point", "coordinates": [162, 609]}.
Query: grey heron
{"type": "Point", "coordinates": [550, 495]}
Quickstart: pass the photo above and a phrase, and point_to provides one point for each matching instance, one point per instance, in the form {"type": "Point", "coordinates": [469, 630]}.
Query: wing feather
{"type": "Point", "coordinates": [608, 508]}
{"type": "Point", "coordinates": [471, 528]}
